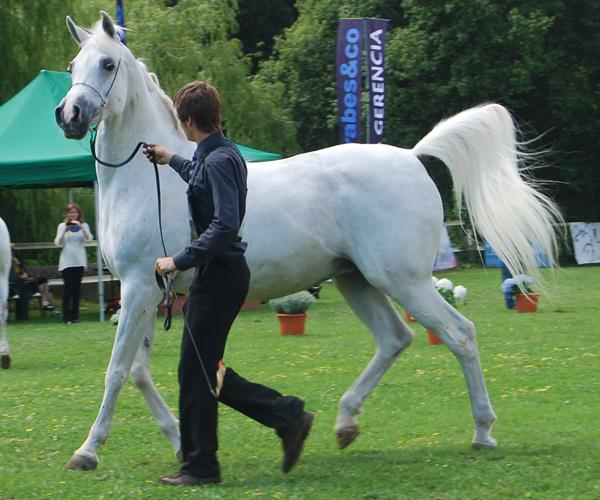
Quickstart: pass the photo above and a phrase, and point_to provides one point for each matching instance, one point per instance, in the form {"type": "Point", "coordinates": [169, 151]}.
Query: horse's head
{"type": "Point", "coordinates": [99, 76]}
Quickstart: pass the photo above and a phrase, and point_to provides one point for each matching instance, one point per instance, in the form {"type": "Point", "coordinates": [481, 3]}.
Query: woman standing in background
{"type": "Point", "coordinates": [71, 235]}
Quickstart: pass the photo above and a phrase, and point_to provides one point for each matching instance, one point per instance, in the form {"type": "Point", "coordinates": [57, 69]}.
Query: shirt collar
{"type": "Point", "coordinates": [207, 144]}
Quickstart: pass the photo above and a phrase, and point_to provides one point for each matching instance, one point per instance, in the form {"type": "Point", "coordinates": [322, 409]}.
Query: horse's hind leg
{"type": "Point", "coordinates": [392, 336]}
{"type": "Point", "coordinates": [141, 376]}
{"type": "Point", "coordinates": [458, 334]}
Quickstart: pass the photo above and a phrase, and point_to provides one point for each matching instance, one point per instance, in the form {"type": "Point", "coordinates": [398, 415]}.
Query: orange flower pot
{"type": "Point", "coordinates": [526, 302]}
{"type": "Point", "coordinates": [433, 339]}
{"type": "Point", "coordinates": [291, 324]}
{"type": "Point", "coordinates": [408, 317]}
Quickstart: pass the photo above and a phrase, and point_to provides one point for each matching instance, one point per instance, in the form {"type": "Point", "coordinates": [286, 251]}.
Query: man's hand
{"type": "Point", "coordinates": [165, 265]}
{"type": "Point", "coordinates": [158, 153]}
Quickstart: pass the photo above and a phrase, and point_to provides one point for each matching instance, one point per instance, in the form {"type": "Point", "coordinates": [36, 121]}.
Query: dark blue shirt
{"type": "Point", "coordinates": [216, 178]}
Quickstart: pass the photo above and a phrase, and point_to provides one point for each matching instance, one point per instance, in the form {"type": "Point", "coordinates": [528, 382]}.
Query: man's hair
{"type": "Point", "coordinates": [201, 102]}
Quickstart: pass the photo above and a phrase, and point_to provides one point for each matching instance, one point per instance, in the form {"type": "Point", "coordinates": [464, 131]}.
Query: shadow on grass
{"type": "Point", "coordinates": [428, 467]}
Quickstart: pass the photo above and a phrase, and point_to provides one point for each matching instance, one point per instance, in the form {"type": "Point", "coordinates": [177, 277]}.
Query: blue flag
{"type": "Point", "coordinates": [121, 20]}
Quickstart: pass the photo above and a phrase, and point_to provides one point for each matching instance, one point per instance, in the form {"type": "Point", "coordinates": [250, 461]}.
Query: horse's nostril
{"type": "Point", "coordinates": [76, 111]}
{"type": "Point", "coordinates": [58, 115]}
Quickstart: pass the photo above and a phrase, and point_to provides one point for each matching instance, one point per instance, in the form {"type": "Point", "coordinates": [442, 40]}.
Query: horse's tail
{"type": "Point", "coordinates": [480, 148]}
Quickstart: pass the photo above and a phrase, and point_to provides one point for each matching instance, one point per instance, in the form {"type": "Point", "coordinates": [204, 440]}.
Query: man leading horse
{"type": "Point", "coordinates": [216, 178]}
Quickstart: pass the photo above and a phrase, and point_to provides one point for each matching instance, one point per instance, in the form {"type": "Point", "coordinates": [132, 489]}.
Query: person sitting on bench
{"type": "Point", "coordinates": [24, 286]}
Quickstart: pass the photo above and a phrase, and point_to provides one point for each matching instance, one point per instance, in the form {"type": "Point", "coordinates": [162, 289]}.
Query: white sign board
{"type": "Point", "coordinates": [586, 242]}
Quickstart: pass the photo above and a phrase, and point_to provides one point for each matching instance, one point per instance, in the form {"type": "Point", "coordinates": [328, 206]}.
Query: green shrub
{"type": "Point", "coordinates": [292, 304]}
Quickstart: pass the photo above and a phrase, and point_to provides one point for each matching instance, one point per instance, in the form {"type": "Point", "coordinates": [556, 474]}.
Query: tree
{"type": "Point", "coordinates": [567, 103]}
{"type": "Point", "coordinates": [34, 37]}
{"type": "Point", "coordinates": [259, 22]}
{"type": "Point", "coordinates": [188, 40]}
{"type": "Point", "coordinates": [193, 40]}
{"type": "Point", "coordinates": [303, 64]}
{"type": "Point", "coordinates": [537, 57]}
{"type": "Point", "coordinates": [27, 29]}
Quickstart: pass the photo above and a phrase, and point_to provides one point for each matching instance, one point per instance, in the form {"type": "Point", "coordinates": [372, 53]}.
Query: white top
{"type": "Point", "coordinates": [73, 252]}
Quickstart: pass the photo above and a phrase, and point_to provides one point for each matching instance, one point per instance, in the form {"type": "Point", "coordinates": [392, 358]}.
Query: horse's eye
{"type": "Point", "coordinates": [109, 65]}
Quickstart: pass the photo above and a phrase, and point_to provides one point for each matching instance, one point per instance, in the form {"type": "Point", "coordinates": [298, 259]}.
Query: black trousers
{"type": "Point", "coordinates": [216, 296]}
{"type": "Point", "coordinates": [71, 292]}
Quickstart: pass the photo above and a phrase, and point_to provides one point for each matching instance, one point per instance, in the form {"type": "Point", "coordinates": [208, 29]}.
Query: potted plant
{"type": "Point", "coordinates": [291, 312]}
{"type": "Point", "coordinates": [526, 299]}
{"type": "Point", "coordinates": [522, 298]}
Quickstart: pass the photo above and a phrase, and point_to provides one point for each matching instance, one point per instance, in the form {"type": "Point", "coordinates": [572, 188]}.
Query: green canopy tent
{"type": "Point", "coordinates": [34, 152]}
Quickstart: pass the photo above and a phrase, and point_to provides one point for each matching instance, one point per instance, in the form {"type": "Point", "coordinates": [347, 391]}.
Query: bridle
{"type": "Point", "coordinates": [103, 99]}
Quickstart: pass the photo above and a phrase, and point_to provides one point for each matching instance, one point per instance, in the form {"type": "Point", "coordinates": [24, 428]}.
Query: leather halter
{"type": "Point", "coordinates": [103, 99]}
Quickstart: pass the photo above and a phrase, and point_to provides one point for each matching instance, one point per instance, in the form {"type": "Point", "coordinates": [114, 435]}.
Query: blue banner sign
{"type": "Point", "coordinates": [349, 78]}
{"type": "Point", "coordinates": [375, 50]}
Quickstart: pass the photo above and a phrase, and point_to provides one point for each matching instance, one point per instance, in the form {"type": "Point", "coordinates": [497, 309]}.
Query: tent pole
{"type": "Point", "coordinates": [99, 261]}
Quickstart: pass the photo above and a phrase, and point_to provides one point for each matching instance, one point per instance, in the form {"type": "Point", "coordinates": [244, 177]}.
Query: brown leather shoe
{"type": "Point", "coordinates": [183, 479]}
{"type": "Point", "coordinates": [293, 439]}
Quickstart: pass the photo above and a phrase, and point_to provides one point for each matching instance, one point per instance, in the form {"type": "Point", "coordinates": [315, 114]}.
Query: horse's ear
{"type": "Point", "coordinates": [78, 34]}
{"type": "Point", "coordinates": [107, 24]}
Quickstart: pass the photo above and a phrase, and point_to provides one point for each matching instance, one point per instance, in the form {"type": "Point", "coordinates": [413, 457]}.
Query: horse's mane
{"type": "Point", "coordinates": [165, 100]}
{"type": "Point", "coordinates": [113, 47]}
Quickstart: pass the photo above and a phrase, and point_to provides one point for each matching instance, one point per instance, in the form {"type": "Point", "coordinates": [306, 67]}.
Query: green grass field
{"type": "Point", "coordinates": [542, 372]}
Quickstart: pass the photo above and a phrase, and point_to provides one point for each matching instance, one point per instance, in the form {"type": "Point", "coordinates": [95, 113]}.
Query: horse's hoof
{"type": "Point", "coordinates": [489, 444]}
{"type": "Point", "coordinates": [81, 462]}
{"type": "Point", "coordinates": [346, 436]}
{"type": "Point", "coordinates": [5, 361]}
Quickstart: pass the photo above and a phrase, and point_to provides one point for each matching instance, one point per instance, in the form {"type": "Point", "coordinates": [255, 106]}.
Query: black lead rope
{"type": "Point", "coordinates": [165, 284]}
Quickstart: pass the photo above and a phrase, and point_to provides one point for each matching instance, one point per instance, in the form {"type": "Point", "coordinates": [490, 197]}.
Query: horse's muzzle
{"type": "Point", "coordinates": [74, 122]}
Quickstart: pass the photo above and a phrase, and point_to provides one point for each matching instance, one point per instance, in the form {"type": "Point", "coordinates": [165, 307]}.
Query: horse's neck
{"type": "Point", "coordinates": [143, 119]}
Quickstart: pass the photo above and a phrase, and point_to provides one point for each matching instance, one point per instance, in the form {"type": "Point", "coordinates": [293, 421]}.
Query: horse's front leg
{"type": "Point", "coordinates": [142, 377]}
{"type": "Point", "coordinates": [137, 317]}
{"type": "Point", "coordinates": [4, 347]}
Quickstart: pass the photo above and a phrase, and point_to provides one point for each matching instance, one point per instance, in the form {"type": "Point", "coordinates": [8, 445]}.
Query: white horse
{"type": "Point", "coordinates": [5, 263]}
{"type": "Point", "coordinates": [367, 215]}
